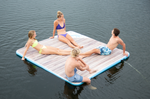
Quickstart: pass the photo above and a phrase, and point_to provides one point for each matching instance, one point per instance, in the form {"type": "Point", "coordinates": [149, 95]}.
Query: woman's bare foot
{"type": "Point", "coordinates": [92, 71]}
{"type": "Point", "coordinates": [80, 47]}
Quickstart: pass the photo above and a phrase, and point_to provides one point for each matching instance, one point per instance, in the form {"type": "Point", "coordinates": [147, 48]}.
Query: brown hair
{"type": "Point", "coordinates": [75, 52]}
{"type": "Point", "coordinates": [116, 31]}
{"type": "Point", "coordinates": [31, 33]}
{"type": "Point", "coordinates": [59, 13]}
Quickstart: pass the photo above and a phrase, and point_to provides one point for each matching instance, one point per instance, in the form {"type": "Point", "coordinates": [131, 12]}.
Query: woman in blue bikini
{"type": "Point", "coordinates": [59, 25]}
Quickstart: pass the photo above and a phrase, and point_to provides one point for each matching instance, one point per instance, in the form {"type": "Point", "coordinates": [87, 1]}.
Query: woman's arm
{"type": "Point", "coordinates": [65, 24]}
{"type": "Point", "coordinates": [54, 29]}
{"type": "Point", "coordinates": [27, 47]}
{"type": "Point", "coordinates": [26, 43]}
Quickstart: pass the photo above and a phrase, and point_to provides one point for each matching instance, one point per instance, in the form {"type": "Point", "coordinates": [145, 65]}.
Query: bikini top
{"type": "Point", "coordinates": [35, 43]}
{"type": "Point", "coordinates": [59, 27]}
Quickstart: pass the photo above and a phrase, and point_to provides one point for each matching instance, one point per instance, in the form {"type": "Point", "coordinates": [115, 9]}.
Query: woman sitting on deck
{"type": "Point", "coordinates": [41, 48]}
{"type": "Point", "coordinates": [59, 25]}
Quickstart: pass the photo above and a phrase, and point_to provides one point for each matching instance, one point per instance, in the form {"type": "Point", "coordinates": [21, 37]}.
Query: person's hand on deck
{"type": "Point", "coordinates": [22, 58]}
{"type": "Point", "coordinates": [51, 37]}
{"type": "Point", "coordinates": [125, 54]}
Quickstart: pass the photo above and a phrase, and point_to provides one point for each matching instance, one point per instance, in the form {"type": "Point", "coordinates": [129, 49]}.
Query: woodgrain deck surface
{"type": "Point", "coordinates": [56, 64]}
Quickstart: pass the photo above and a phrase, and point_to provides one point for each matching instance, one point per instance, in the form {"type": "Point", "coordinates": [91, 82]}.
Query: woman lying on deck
{"type": "Point", "coordinates": [59, 25]}
{"type": "Point", "coordinates": [41, 48]}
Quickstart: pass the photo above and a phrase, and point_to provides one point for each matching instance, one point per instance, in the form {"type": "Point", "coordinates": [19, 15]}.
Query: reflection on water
{"type": "Point", "coordinates": [112, 73]}
{"type": "Point", "coordinates": [31, 68]}
{"type": "Point", "coordinates": [72, 92]}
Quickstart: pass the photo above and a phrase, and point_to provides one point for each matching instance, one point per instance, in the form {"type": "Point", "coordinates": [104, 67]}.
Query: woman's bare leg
{"type": "Point", "coordinates": [72, 41]}
{"type": "Point", "coordinates": [65, 40]}
{"type": "Point", "coordinates": [63, 52]}
{"type": "Point", "coordinates": [53, 50]}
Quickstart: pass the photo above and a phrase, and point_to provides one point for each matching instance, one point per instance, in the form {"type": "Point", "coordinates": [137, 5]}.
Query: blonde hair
{"type": "Point", "coordinates": [75, 52]}
{"type": "Point", "coordinates": [59, 13]}
{"type": "Point", "coordinates": [31, 33]}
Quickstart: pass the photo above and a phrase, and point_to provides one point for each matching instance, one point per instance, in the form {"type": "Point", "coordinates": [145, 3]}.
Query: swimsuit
{"type": "Point", "coordinates": [75, 77]}
{"type": "Point", "coordinates": [42, 48]}
{"type": "Point", "coordinates": [104, 50]}
{"type": "Point", "coordinates": [59, 27]}
{"type": "Point", "coordinates": [63, 35]}
{"type": "Point", "coordinates": [35, 44]}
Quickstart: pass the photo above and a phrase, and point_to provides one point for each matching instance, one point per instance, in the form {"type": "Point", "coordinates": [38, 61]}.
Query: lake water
{"type": "Point", "coordinates": [94, 18]}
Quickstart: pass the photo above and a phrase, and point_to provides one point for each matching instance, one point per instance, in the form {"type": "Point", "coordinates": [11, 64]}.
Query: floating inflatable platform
{"type": "Point", "coordinates": [55, 64]}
